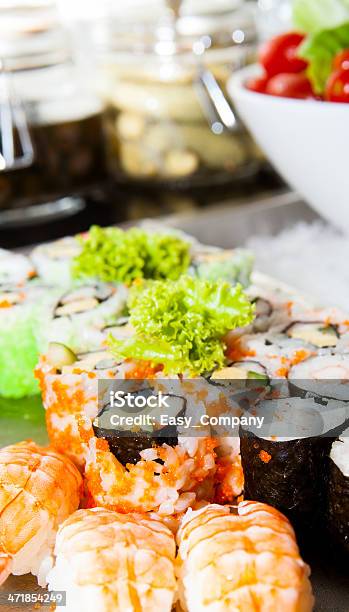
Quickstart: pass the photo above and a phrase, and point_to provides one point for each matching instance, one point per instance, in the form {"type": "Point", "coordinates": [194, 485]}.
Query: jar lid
{"type": "Point", "coordinates": [199, 26]}
{"type": "Point", "coordinates": [31, 35]}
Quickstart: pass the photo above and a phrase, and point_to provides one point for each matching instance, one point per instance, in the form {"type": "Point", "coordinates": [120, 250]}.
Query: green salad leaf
{"type": "Point", "coordinates": [113, 255]}
{"type": "Point", "coordinates": [181, 324]}
{"type": "Point", "coordinates": [320, 49]}
{"type": "Point", "coordinates": [311, 16]}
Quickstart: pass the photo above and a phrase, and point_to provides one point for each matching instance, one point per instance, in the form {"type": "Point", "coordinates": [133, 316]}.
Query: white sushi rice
{"type": "Point", "coordinates": [311, 257]}
{"type": "Point", "coordinates": [340, 453]}
{"type": "Point", "coordinates": [14, 268]}
{"type": "Point", "coordinates": [53, 260]}
{"type": "Point", "coordinates": [33, 556]}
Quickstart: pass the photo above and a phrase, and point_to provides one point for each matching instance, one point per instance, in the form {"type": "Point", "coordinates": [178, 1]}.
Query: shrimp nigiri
{"type": "Point", "coordinates": [39, 489]}
{"type": "Point", "coordinates": [108, 562]}
{"type": "Point", "coordinates": [241, 558]}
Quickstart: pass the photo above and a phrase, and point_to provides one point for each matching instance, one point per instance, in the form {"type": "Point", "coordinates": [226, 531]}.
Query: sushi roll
{"type": "Point", "coordinates": [108, 561]}
{"type": "Point", "coordinates": [318, 333]}
{"type": "Point", "coordinates": [131, 436]}
{"type": "Point", "coordinates": [263, 315]}
{"type": "Point", "coordinates": [322, 376]}
{"type": "Point", "coordinates": [240, 371]}
{"type": "Point", "coordinates": [15, 269]}
{"type": "Point", "coordinates": [285, 461]}
{"type": "Point", "coordinates": [242, 557]}
{"type": "Point", "coordinates": [80, 313]}
{"type": "Point", "coordinates": [39, 489]}
{"type": "Point", "coordinates": [234, 266]}
{"type": "Point", "coordinates": [69, 386]}
{"type": "Point", "coordinates": [23, 309]}
{"type": "Point", "coordinates": [338, 490]}
{"type": "Point", "coordinates": [53, 260]}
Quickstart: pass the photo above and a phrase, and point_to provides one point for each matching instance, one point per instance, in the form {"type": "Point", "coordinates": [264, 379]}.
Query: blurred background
{"type": "Point", "coordinates": [113, 111]}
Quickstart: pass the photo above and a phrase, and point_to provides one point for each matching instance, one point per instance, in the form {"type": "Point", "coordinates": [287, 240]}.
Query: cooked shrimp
{"type": "Point", "coordinates": [168, 487]}
{"type": "Point", "coordinates": [109, 562]}
{"type": "Point", "coordinates": [241, 558]}
{"type": "Point", "coordinates": [38, 490]}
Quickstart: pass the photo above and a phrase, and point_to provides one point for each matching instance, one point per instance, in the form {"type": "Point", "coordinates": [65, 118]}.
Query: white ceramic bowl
{"type": "Point", "coordinates": [307, 141]}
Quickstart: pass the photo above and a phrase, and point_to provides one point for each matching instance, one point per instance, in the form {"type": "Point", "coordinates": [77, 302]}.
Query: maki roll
{"type": "Point", "coordinates": [243, 557]}
{"type": "Point", "coordinates": [22, 310]}
{"type": "Point", "coordinates": [69, 386]}
{"type": "Point", "coordinates": [285, 462]}
{"type": "Point", "coordinates": [322, 376]}
{"type": "Point", "coordinates": [80, 313]}
{"type": "Point", "coordinates": [240, 370]}
{"type": "Point", "coordinates": [14, 268]}
{"type": "Point", "coordinates": [128, 433]}
{"type": "Point", "coordinates": [338, 490]}
{"type": "Point", "coordinates": [53, 261]}
{"type": "Point", "coordinates": [318, 333]}
{"type": "Point", "coordinates": [234, 266]}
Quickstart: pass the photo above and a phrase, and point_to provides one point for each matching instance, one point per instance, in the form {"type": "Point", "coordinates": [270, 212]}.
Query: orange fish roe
{"type": "Point", "coordinates": [229, 479]}
{"type": "Point", "coordinates": [102, 444]}
{"type": "Point", "coordinates": [142, 370]}
{"type": "Point", "coordinates": [236, 351]}
{"type": "Point", "coordinates": [282, 372]}
{"type": "Point", "coordinates": [5, 304]}
{"type": "Point", "coordinates": [264, 456]}
{"type": "Point", "coordinates": [67, 410]}
{"type": "Point", "coordinates": [300, 355]}
{"type": "Point", "coordinates": [289, 306]}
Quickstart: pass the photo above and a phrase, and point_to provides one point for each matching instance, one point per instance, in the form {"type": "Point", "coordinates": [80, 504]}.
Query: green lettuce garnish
{"type": "Point", "coordinates": [113, 255]}
{"type": "Point", "coordinates": [327, 24]}
{"type": "Point", "coordinates": [181, 324]}
{"type": "Point", "coordinates": [320, 50]}
{"type": "Point", "coordinates": [311, 16]}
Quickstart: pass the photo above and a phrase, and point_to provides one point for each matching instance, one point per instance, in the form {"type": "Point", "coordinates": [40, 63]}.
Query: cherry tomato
{"type": "Point", "coordinates": [341, 61]}
{"type": "Point", "coordinates": [337, 88]}
{"type": "Point", "coordinates": [258, 84]}
{"type": "Point", "coordinates": [290, 86]}
{"type": "Point", "coordinates": [279, 54]}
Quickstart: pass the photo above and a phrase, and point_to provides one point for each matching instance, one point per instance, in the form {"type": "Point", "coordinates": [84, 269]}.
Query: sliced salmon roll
{"type": "Point", "coordinates": [241, 558]}
{"type": "Point", "coordinates": [108, 562]}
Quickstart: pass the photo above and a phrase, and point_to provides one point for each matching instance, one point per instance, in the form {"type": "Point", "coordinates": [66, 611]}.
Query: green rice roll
{"type": "Point", "coordinates": [21, 313]}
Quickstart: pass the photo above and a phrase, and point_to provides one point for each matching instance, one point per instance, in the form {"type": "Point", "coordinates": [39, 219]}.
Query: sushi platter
{"type": "Point", "coordinates": [156, 309]}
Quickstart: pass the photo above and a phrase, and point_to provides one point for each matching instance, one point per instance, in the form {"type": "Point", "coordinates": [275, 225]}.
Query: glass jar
{"type": "Point", "coordinates": [163, 125]}
{"type": "Point", "coordinates": [49, 118]}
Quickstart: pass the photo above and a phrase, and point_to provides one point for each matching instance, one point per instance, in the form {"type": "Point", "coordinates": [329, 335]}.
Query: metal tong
{"type": "Point", "coordinates": [16, 148]}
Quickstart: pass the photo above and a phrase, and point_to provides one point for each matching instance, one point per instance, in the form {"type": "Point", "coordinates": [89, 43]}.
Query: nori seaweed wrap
{"type": "Point", "coordinates": [338, 491]}
{"type": "Point", "coordinates": [286, 466]}
{"type": "Point", "coordinates": [127, 441]}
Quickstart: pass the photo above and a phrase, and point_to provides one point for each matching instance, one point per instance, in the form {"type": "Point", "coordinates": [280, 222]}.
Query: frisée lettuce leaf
{"type": "Point", "coordinates": [181, 324]}
{"type": "Point", "coordinates": [320, 50]}
{"type": "Point", "coordinates": [311, 16]}
{"type": "Point", "coordinates": [113, 255]}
